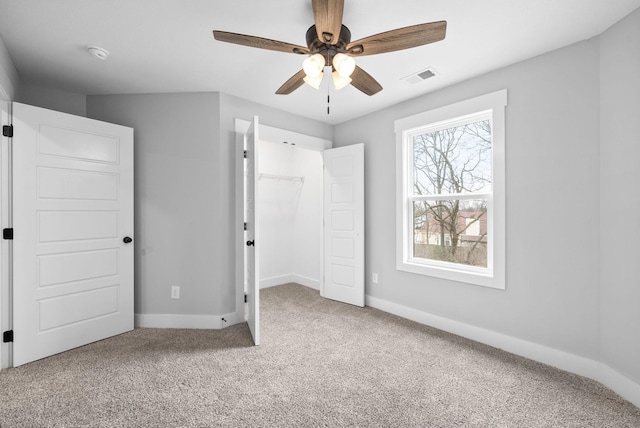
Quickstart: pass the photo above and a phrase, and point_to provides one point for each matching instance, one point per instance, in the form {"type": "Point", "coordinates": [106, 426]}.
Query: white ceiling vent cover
{"type": "Point", "coordinates": [420, 76]}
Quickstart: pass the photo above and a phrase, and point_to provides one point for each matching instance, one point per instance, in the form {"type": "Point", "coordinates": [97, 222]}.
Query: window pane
{"type": "Point", "coordinates": [453, 160]}
{"type": "Point", "coordinates": [452, 231]}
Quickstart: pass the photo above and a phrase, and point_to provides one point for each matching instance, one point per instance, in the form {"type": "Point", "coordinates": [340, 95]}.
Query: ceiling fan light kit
{"type": "Point", "coordinates": [344, 65]}
{"type": "Point", "coordinates": [340, 81]}
{"type": "Point", "coordinates": [329, 45]}
{"type": "Point", "coordinates": [314, 82]}
{"type": "Point", "coordinates": [314, 65]}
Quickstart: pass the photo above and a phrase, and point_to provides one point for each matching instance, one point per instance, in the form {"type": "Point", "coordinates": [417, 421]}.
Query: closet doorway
{"type": "Point", "coordinates": [290, 214]}
{"type": "Point", "coordinates": [303, 209]}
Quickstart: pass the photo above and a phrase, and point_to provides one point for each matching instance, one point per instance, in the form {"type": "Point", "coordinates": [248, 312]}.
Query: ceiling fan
{"type": "Point", "coordinates": [329, 44]}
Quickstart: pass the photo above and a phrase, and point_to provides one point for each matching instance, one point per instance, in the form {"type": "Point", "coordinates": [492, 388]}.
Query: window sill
{"type": "Point", "coordinates": [483, 279]}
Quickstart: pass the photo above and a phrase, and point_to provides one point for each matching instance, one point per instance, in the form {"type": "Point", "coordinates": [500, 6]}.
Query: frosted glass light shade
{"type": "Point", "coordinates": [344, 64]}
{"type": "Point", "coordinates": [339, 81]}
{"type": "Point", "coordinates": [313, 65]}
{"type": "Point", "coordinates": [314, 82]}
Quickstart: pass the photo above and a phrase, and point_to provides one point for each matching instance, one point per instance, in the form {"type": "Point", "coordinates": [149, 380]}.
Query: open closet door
{"type": "Point", "coordinates": [73, 227]}
{"type": "Point", "coordinates": [252, 228]}
{"type": "Point", "coordinates": [344, 224]}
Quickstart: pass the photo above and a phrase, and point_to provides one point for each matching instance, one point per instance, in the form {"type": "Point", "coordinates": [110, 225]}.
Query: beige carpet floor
{"type": "Point", "coordinates": [321, 364]}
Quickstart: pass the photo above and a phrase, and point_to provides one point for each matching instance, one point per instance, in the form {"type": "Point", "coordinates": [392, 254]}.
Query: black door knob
{"type": "Point", "coordinates": [250, 243]}
{"type": "Point", "coordinates": [127, 240]}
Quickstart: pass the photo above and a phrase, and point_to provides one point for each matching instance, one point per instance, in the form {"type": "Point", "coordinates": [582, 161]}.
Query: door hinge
{"type": "Point", "coordinates": [7, 131]}
{"type": "Point", "coordinates": [245, 154]}
{"type": "Point", "coordinates": [7, 233]}
{"type": "Point", "coordinates": [7, 336]}
{"type": "Point", "coordinates": [245, 225]}
{"type": "Point", "coordinates": [245, 297]}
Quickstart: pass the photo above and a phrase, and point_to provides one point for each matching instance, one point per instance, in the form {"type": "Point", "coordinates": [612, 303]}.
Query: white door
{"type": "Point", "coordinates": [252, 236]}
{"type": "Point", "coordinates": [72, 221]}
{"type": "Point", "coordinates": [344, 224]}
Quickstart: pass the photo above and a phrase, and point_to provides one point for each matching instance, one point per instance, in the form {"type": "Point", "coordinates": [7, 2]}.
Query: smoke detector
{"type": "Point", "coordinates": [420, 76]}
{"type": "Point", "coordinates": [98, 52]}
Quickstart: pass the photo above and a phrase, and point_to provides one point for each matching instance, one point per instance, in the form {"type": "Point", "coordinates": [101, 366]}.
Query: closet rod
{"type": "Point", "coordinates": [282, 177]}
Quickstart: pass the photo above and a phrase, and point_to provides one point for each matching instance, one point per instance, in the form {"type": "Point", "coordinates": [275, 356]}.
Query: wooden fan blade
{"type": "Point", "coordinates": [327, 15]}
{"type": "Point", "coordinates": [259, 42]}
{"type": "Point", "coordinates": [364, 82]}
{"type": "Point", "coordinates": [292, 84]}
{"type": "Point", "coordinates": [398, 39]}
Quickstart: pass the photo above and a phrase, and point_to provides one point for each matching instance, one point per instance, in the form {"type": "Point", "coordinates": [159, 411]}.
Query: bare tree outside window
{"type": "Point", "coordinates": [451, 181]}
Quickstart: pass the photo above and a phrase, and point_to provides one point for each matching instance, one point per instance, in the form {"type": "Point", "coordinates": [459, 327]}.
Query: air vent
{"type": "Point", "coordinates": [420, 76]}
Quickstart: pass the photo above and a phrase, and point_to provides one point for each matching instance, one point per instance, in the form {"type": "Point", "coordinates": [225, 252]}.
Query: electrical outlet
{"type": "Point", "coordinates": [374, 278]}
{"type": "Point", "coordinates": [175, 291]}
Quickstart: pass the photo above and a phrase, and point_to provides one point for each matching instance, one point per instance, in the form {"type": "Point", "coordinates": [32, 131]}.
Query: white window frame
{"type": "Point", "coordinates": [494, 274]}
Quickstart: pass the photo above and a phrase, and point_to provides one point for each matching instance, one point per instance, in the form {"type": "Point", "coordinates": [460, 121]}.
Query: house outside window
{"type": "Point", "coordinates": [450, 218]}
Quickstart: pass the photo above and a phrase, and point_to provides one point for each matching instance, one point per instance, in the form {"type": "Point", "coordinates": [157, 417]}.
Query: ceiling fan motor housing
{"type": "Point", "coordinates": [328, 50]}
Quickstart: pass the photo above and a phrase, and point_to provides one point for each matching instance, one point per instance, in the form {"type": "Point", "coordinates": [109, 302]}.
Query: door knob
{"type": "Point", "coordinates": [250, 243]}
{"type": "Point", "coordinates": [127, 240]}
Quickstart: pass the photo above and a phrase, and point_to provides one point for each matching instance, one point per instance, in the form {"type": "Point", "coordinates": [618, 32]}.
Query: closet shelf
{"type": "Point", "coordinates": [281, 177]}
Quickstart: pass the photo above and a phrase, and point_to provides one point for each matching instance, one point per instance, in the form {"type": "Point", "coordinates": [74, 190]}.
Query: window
{"type": "Point", "coordinates": [450, 218]}
{"type": "Point", "coordinates": [472, 226]}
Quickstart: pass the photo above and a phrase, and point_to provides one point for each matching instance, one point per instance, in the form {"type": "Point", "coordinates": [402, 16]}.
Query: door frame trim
{"type": "Point", "coordinates": [6, 319]}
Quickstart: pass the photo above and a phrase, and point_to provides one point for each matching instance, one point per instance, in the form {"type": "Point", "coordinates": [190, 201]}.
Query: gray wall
{"type": "Point", "coordinates": [552, 224]}
{"type": "Point", "coordinates": [9, 79]}
{"type": "Point", "coordinates": [563, 290]}
{"type": "Point", "coordinates": [185, 193]}
{"type": "Point", "coordinates": [177, 202]}
{"type": "Point", "coordinates": [53, 99]}
{"type": "Point", "coordinates": [619, 197]}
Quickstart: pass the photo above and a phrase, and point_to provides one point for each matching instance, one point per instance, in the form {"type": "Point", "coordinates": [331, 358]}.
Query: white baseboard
{"type": "Point", "coordinates": [623, 386]}
{"type": "Point", "coordinates": [285, 279]}
{"type": "Point", "coordinates": [307, 282]}
{"type": "Point", "coordinates": [185, 321]}
{"type": "Point", "coordinates": [582, 366]}
{"type": "Point", "coordinates": [276, 280]}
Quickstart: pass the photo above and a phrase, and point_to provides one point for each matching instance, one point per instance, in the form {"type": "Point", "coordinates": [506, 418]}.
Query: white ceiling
{"type": "Point", "coordinates": [167, 45]}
